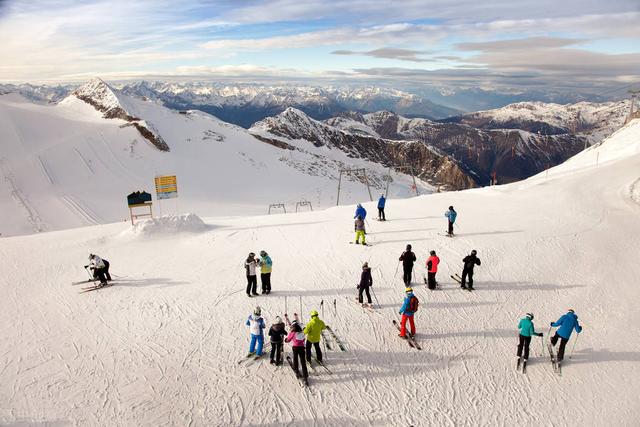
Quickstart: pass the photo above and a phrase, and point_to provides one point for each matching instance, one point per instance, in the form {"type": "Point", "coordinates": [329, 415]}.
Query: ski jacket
{"type": "Point", "coordinates": [381, 202]}
{"type": "Point", "coordinates": [250, 265]}
{"type": "Point", "coordinates": [566, 324]}
{"type": "Point", "coordinates": [265, 264]}
{"type": "Point", "coordinates": [470, 261]}
{"type": "Point", "coordinates": [451, 215]}
{"type": "Point", "coordinates": [277, 333]}
{"type": "Point", "coordinates": [256, 324]}
{"type": "Point", "coordinates": [360, 212]}
{"type": "Point", "coordinates": [408, 258]}
{"type": "Point", "coordinates": [359, 224]}
{"type": "Point", "coordinates": [97, 262]}
{"type": "Point", "coordinates": [314, 328]}
{"type": "Point", "coordinates": [365, 278]}
{"type": "Point", "coordinates": [526, 327]}
{"type": "Point", "coordinates": [432, 264]}
{"type": "Point", "coordinates": [295, 338]}
{"type": "Point", "coordinates": [405, 305]}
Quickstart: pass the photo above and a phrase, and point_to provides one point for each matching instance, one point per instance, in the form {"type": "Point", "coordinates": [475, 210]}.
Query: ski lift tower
{"type": "Point", "coordinates": [355, 172]}
{"type": "Point", "coordinates": [401, 168]}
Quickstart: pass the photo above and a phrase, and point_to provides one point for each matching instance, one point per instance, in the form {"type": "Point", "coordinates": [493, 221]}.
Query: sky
{"type": "Point", "coordinates": [518, 43]}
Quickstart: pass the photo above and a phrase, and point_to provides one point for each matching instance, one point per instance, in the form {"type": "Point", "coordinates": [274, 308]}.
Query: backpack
{"type": "Point", "coordinates": [413, 304]}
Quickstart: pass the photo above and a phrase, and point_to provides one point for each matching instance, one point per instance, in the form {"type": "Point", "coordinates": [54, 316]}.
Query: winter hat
{"type": "Point", "coordinates": [530, 316]}
{"type": "Point", "coordinates": [257, 311]}
{"type": "Point", "coordinates": [408, 247]}
{"type": "Point", "coordinates": [432, 252]}
{"type": "Point", "coordinates": [251, 254]}
{"type": "Point", "coordinates": [474, 252]}
{"type": "Point", "coordinates": [450, 208]}
{"type": "Point", "coordinates": [365, 265]}
{"type": "Point", "coordinates": [263, 253]}
{"type": "Point", "coordinates": [408, 290]}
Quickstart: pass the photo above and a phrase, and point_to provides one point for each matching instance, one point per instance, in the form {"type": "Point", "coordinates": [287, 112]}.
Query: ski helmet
{"type": "Point", "coordinates": [263, 253]}
{"type": "Point", "coordinates": [474, 252]}
{"type": "Point", "coordinates": [432, 252]}
{"type": "Point", "coordinates": [278, 319]}
{"type": "Point", "coordinates": [530, 316]}
{"type": "Point", "coordinates": [314, 313]}
{"type": "Point", "coordinates": [450, 208]}
{"type": "Point", "coordinates": [91, 256]}
{"type": "Point", "coordinates": [294, 323]}
{"type": "Point", "coordinates": [365, 265]}
{"type": "Point", "coordinates": [571, 311]}
{"type": "Point", "coordinates": [408, 247]}
{"type": "Point", "coordinates": [257, 311]}
{"type": "Point", "coordinates": [409, 290]}
{"type": "Point", "coordinates": [251, 254]}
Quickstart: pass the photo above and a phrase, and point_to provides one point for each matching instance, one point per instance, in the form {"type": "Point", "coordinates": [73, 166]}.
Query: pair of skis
{"type": "Point", "coordinates": [411, 340]}
{"type": "Point", "coordinates": [458, 279]}
{"type": "Point", "coordinates": [522, 364]}
{"type": "Point", "coordinates": [554, 361]}
{"type": "Point", "coordinates": [304, 382]}
{"type": "Point", "coordinates": [336, 340]}
{"type": "Point", "coordinates": [363, 244]}
{"type": "Point", "coordinates": [365, 305]}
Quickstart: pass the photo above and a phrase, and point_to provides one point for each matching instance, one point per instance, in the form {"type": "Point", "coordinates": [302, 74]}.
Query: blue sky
{"type": "Point", "coordinates": [462, 42]}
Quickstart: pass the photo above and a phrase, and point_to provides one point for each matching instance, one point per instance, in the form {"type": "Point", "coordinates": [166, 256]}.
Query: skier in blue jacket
{"type": "Point", "coordinates": [451, 215]}
{"type": "Point", "coordinates": [360, 212]}
{"type": "Point", "coordinates": [565, 324]}
{"type": "Point", "coordinates": [381, 203]}
{"type": "Point", "coordinates": [527, 330]}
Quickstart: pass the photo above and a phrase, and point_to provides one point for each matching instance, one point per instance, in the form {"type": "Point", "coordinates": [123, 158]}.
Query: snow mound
{"type": "Point", "coordinates": [168, 224]}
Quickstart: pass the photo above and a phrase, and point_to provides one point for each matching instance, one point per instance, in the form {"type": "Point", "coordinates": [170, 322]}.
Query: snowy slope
{"type": "Point", "coordinates": [68, 165]}
{"type": "Point", "coordinates": [161, 345]}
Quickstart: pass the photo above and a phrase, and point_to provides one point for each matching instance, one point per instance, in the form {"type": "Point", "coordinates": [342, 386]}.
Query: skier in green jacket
{"type": "Point", "coordinates": [313, 331]}
{"type": "Point", "coordinates": [527, 330]}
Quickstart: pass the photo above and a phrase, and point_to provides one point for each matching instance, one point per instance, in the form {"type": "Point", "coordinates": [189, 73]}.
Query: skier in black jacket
{"type": "Point", "coordinates": [276, 336]}
{"type": "Point", "coordinates": [470, 261]}
{"type": "Point", "coordinates": [407, 258]}
{"type": "Point", "coordinates": [365, 283]}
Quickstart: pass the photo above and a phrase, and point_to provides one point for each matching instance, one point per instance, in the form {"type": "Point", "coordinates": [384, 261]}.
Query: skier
{"type": "Point", "coordinates": [256, 327]}
{"type": "Point", "coordinates": [296, 338]}
{"type": "Point", "coordinates": [360, 212]}
{"type": "Point", "coordinates": [451, 215]}
{"type": "Point", "coordinates": [252, 281]}
{"type": "Point", "coordinates": [265, 264]}
{"type": "Point", "coordinates": [432, 269]}
{"type": "Point", "coordinates": [276, 337]}
{"type": "Point", "coordinates": [565, 324]}
{"type": "Point", "coordinates": [313, 331]}
{"type": "Point", "coordinates": [407, 258]}
{"type": "Point", "coordinates": [366, 281]}
{"type": "Point", "coordinates": [381, 202]}
{"type": "Point", "coordinates": [408, 309]}
{"type": "Point", "coordinates": [470, 261]}
{"type": "Point", "coordinates": [100, 269]}
{"type": "Point", "coordinates": [527, 330]}
{"type": "Point", "coordinates": [360, 230]}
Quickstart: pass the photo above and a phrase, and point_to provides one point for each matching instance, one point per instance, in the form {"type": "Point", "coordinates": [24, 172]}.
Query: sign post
{"type": "Point", "coordinates": [166, 188]}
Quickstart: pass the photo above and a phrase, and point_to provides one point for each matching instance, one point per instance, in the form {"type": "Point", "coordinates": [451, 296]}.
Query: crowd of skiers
{"type": "Point", "coordinates": [302, 339]}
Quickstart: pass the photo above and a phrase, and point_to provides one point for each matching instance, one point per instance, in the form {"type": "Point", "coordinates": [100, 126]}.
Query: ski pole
{"type": "Point", "coordinates": [397, 267]}
{"type": "Point", "coordinates": [574, 346]}
{"type": "Point", "coordinates": [285, 305]}
{"type": "Point", "coordinates": [324, 343]}
{"type": "Point", "coordinates": [335, 308]}
{"type": "Point", "coordinates": [374, 295]}
{"type": "Point", "coordinates": [300, 297]}
{"type": "Point", "coordinates": [86, 268]}
{"type": "Point", "coordinates": [541, 347]}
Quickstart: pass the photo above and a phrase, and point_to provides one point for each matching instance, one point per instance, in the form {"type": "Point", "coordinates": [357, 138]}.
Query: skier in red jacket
{"type": "Point", "coordinates": [432, 269]}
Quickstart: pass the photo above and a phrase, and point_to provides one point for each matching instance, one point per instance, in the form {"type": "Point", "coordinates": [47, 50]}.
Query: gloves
{"type": "Point", "coordinates": [540, 334]}
{"type": "Point", "coordinates": [86, 266]}
{"type": "Point", "coordinates": [551, 324]}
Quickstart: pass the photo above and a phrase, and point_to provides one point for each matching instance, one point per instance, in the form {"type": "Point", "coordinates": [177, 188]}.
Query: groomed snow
{"type": "Point", "coordinates": [160, 346]}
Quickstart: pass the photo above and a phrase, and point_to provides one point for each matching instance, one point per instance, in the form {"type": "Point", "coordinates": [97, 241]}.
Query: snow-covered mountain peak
{"type": "Point", "coordinates": [102, 96]}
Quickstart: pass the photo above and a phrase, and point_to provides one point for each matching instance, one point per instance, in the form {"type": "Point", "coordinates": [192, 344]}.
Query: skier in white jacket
{"type": "Point", "coordinates": [256, 325]}
{"type": "Point", "coordinates": [100, 268]}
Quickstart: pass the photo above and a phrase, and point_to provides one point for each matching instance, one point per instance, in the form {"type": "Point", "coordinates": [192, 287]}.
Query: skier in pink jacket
{"type": "Point", "coordinates": [297, 340]}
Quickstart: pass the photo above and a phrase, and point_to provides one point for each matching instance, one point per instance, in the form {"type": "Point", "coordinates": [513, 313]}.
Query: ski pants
{"type": "Point", "coordinates": [361, 290]}
{"type": "Point", "coordinates": [523, 343]}
{"type": "Point", "coordinates": [252, 284]}
{"type": "Point", "coordinates": [265, 281]}
{"type": "Point", "coordinates": [381, 214]}
{"type": "Point", "coordinates": [431, 280]}
{"type": "Point", "coordinates": [256, 339]}
{"type": "Point", "coordinates": [467, 273]}
{"type": "Point", "coordinates": [276, 352]}
{"type": "Point", "coordinates": [407, 273]}
{"type": "Point", "coordinates": [359, 234]}
{"type": "Point", "coordinates": [102, 273]}
{"type": "Point", "coordinates": [403, 325]}
{"type": "Point", "coordinates": [315, 345]}
{"type": "Point", "coordinates": [450, 229]}
{"type": "Point", "coordinates": [563, 344]}
{"type": "Point", "coordinates": [298, 359]}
